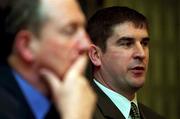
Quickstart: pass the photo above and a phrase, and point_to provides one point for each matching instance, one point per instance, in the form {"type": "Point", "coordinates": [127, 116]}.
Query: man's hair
{"type": "Point", "coordinates": [16, 15]}
{"type": "Point", "coordinates": [100, 25]}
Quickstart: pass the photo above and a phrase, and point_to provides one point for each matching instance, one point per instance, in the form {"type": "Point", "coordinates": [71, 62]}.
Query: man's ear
{"type": "Point", "coordinates": [23, 41]}
{"type": "Point", "coordinates": [95, 55]}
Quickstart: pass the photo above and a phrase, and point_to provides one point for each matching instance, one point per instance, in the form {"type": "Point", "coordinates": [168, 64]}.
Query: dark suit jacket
{"type": "Point", "coordinates": [106, 109]}
{"type": "Point", "coordinates": [13, 104]}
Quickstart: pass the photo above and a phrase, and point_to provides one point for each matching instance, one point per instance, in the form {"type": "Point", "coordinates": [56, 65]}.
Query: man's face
{"type": "Point", "coordinates": [125, 60]}
{"type": "Point", "coordinates": [62, 38]}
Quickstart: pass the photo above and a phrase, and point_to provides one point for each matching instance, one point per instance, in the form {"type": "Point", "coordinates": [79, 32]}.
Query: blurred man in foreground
{"type": "Point", "coordinates": [46, 57]}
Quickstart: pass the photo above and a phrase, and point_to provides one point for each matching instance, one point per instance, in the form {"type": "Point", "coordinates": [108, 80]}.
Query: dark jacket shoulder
{"type": "Point", "coordinates": [106, 109]}
{"type": "Point", "coordinates": [13, 104]}
{"type": "Point", "coordinates": [148, 113]}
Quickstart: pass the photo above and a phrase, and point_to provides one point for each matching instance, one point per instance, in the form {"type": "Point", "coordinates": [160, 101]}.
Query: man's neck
{"type": "Point", "coordinates": [129, 94]}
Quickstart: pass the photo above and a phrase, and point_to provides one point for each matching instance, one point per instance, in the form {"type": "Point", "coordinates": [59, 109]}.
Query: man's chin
{"type": "Point", "coordinates": [139, 85]}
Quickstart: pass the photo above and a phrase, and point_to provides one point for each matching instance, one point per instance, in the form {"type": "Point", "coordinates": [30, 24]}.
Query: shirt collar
{"type": "Point", "coordinates": [38, 103]}
{"type": "Point", "coordinates": [122, 103]}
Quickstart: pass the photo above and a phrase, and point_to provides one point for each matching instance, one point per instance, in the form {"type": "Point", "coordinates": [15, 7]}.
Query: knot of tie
{"type": "Point", "coordinates": [134, 113]}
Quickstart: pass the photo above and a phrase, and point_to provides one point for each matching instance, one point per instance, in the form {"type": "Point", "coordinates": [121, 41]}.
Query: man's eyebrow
{"type": "Point", "coordinates": [124, 39]}
{"type": "Point", "coordinates": [146, 39]}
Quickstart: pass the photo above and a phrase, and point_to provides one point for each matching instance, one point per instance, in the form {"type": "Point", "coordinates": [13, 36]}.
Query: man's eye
{"type": "Point", "coordinates": [145, 43]}
{"type": "Point", "coordinates": [69, 31]}
{"type": "Point", "coordinates": [126, 44]}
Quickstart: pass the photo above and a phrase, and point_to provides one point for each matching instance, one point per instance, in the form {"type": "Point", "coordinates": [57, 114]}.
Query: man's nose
{"type": "Point", "coordinates": [139, 51]}
{"type": "Point", "coordinates": [84, 42]}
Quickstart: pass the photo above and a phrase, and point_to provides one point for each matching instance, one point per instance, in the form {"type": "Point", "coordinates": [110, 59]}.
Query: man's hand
{"type": "Point", "coordinates": [73, 96]}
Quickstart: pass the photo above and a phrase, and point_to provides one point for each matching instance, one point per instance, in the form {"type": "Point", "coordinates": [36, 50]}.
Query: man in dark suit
{"type": "Point", "coordinates": [119, 55]}
{"type": "Point", "coordinates": [44, 46]}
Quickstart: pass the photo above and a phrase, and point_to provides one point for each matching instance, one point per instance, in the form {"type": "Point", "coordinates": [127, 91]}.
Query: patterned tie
{"type": "Point", "coordinates": [134, 113]}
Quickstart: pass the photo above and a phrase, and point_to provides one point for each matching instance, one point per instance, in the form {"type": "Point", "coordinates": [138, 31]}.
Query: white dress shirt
{"type": "Point", "coordinates": [121, 102]}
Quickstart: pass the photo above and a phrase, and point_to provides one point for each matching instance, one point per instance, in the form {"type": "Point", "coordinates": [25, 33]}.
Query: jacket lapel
{"type": "Point", "coordinates": [105, 105]}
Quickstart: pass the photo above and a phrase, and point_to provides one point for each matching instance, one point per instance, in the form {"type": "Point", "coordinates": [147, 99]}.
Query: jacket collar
{"type": "Point", "coordinates": [105, 105]}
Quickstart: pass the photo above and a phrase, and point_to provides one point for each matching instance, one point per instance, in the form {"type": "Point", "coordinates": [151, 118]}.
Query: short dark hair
{"type": "Point", "coordinates": [15, 16]}
{"type": "Point", "coordinates": [100, 25]}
